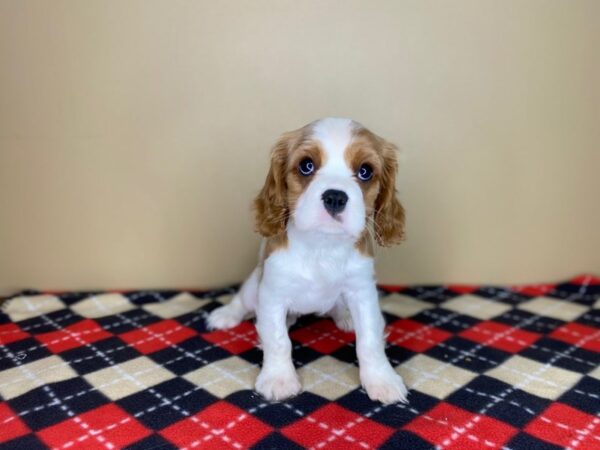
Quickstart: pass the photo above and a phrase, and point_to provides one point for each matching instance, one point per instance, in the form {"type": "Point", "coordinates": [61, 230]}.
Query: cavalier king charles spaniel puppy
{"type": "Point", "coordinates": [331, 185]}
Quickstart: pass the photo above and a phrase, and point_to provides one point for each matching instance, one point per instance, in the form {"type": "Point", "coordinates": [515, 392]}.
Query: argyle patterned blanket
{"type": "Point", "coordinates": [487, 367]}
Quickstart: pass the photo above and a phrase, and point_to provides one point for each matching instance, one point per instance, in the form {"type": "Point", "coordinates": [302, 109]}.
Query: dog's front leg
{"type": "Point", "coordinates": [277, 379]}
{"type": "Point", "coordinates": [377, 376]}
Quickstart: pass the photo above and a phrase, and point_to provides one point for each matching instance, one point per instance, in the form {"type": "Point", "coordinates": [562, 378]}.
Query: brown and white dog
{"type": "Point", "coordinates": [328, 182]}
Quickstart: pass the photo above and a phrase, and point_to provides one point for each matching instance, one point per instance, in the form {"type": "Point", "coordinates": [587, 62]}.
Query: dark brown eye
{"type": "Point", "coordinates": [306, 167]}
{"type": "Point", "coordinates": [365, 172]}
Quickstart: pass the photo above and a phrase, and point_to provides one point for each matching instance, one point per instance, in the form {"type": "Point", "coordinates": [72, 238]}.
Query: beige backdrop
{"type": "Point", "coordinates": [134, 134]}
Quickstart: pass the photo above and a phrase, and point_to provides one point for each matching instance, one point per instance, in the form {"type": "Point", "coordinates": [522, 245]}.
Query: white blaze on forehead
{"type": "Point", "coordinates": [335, 135]}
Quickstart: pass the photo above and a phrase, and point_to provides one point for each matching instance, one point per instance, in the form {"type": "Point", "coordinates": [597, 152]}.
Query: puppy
{"type": "Point", "coordinates": [328, 183]}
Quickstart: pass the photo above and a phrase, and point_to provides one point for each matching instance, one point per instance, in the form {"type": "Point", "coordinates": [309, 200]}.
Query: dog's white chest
{"type": "Point", "coordinates": [309, 281]}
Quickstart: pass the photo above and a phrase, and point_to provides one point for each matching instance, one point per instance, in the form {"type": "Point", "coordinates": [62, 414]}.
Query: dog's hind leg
{"type": "Point", "coordinates": [242, 304]}
{"type": "Point", "coordinates": [341, 316]}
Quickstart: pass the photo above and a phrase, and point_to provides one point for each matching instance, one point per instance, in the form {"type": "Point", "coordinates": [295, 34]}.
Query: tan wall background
{"type": "Point", "coordinates": [134, 134]}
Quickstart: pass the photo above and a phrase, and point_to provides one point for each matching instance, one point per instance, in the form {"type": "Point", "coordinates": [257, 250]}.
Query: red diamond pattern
{"type": "Point", "coordinates": [534, 290]}
{"type": "Point", "coordinates": [462, 288]}
{"type": "Point", "coordinates": [235, 340]}
{"type": "Point", "coordinates": [11, 332]}
{"type": "Point", "coordinates": [220, 426]}
{"type": "Point", "coordinates": [393, 287]}
{"type": "Point", "coordinates": [105, 427]}
{"type": "Point", "coordinates": [454, 428]}
{"type": "Point", "coordinates": [76, 335]}
{"type": "Point", "coordinates": [414, 335]}
{"type": "Point", "coordinates": [578, 334]}
{"type": "Point", "coordinates": [566, 427]}
{"type": "Point", "coordinates": [500, 336]}
{"type": "Point", "coordinates": [588, 280]}
{"type": "Point", "coordinates": [334, 427]}
{"type": "Point", "coordinates": [157, 336]}
{"type": "Point", "coordinates": [323, 336]}
{"type": "Point", "coordinates": [12, 427]}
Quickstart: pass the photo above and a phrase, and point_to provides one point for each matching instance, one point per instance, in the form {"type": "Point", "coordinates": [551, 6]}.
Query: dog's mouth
{"type": "Point", "coordinates": [335, 225]}
{"type": "Point", "coordinates": [332, 220]}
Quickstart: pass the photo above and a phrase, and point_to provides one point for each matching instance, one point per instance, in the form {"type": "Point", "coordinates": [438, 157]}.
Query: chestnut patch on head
{"type": "Point", "coordinates": [379, 191]}
{"type": "Point", "coordinates": [362, 152]}
{"type": "Point", "coordinates": [297, 177]}
{"type": "Point", "coordinates": [286, 181]}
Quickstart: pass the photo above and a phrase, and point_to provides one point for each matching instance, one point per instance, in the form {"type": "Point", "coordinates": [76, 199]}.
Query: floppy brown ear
{"type": "Point", "coordinates": [389, 213]}
{"type": "Point", "coordinates": [270, 205]}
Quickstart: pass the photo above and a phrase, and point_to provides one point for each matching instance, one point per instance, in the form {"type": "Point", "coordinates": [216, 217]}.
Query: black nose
{"type": "Point", "coordinates": [334, 201]}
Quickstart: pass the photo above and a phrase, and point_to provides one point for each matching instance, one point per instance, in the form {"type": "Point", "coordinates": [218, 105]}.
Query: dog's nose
{"type": "Point", "coordinates": [334, 201]}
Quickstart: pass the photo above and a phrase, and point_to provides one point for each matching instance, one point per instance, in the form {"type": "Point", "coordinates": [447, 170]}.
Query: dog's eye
{"type": "Point", "coordinates": [306, 167]}
{"type": "Point", "coordinates": [365, 172]}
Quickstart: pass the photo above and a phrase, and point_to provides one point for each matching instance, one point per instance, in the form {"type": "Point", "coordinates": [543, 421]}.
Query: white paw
{"type": "Point", "coordinates": [278, 385]}
{"type": "Point", "coordinates": [223, 318]}
{"type": "Point", "coordinates": [384, 385]}
{"type": "Point", "coordinates": [344, 321]}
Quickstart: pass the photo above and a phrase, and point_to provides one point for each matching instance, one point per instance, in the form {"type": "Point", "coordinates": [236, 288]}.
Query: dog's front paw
{"type": "Point", "coordinates": [384, 385]}
{"type": "Point", "coordinates": [278, 384]}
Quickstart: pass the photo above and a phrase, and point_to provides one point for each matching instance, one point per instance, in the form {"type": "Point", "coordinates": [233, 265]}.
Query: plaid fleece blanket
{"type": "Point", "coordinates": [487, 367]}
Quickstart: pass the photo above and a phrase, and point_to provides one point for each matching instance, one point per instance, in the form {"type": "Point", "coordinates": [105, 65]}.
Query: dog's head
{"type": "Point", "coordinates": [332, 176]}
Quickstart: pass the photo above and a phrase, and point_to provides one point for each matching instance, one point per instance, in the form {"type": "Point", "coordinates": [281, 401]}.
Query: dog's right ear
{"type": "Point", "coordinates": [270, 205]}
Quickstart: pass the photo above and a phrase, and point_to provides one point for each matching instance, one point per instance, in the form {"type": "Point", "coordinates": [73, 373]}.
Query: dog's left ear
{"type": "Point", "coordinates": [389, 213]}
